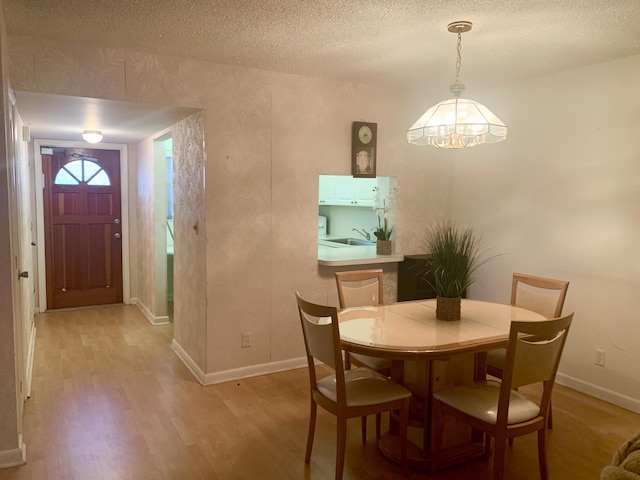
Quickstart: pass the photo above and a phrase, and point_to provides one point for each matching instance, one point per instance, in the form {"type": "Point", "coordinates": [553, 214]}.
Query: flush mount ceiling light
{"type": "Point", "coordinates": [92, 136]}
{"type": "Point", "coordinates": [458, 122]}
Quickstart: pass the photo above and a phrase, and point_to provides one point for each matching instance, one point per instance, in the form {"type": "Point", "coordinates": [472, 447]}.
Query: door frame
{"type": "Point", "coordinates": [124, 206]}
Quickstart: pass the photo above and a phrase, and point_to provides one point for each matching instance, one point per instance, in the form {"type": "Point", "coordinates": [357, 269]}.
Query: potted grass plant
{"type": "Point", "coordinates": [455, 256]}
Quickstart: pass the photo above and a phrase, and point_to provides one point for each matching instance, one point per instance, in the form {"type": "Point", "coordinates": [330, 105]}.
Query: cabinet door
{"type": "Point", "coordinates": [344, 191]}
{"type": "Point", "coordinates": [364, 191]}
{"type": "Point", "coordinates": [327, 190]}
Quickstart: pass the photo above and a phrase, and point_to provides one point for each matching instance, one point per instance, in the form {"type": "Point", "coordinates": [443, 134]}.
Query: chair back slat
{"type": "Point", "coordinates": [542, 295]}
{"type": "Point", "coordinates": [360, 288]}
{"type": "Point", "coordinates": [536, 361]}
{"type": "Point", "coordinates": [318, 333]}
{"type": "Point", "coordinates": [322, 340]}
{"type": "Point", "coordinates": [360, 295]}
{"type": "Point", "coordinates": [533, 354]}
{"type": "Point", "coordinates": [543, 303]}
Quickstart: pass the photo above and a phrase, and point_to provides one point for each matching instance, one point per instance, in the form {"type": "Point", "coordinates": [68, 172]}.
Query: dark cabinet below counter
{"type": "Point", "coordinates": [414, 278]}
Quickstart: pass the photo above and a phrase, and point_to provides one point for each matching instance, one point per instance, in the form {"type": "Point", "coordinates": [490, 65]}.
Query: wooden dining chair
{"type": "Point", "coordinates": [539, 294]}
{"type": "Point", "coordinates": [359, 288]}
{"type": "Point", "coordinates": [496, 408]}
{"type": "Point", "coordinates": [347, 393]}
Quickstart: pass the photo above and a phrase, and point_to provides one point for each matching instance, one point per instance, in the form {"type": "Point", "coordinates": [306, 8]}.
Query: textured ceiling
{"type": "Point", "coordinates": [403, 43]}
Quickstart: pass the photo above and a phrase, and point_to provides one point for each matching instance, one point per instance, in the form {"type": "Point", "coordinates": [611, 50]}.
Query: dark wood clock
{"type": "Point", "coordinates": [364, 136]}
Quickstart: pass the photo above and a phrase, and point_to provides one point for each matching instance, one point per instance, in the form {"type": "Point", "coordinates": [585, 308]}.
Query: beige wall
{"type": "Point", "coordinates": [144, 242]}
{"type": "Point", "coordinates": [190, 276]}
{"type": "Point", "coordinates": [8, 398]}
{"type": "Point", "coordinates": [561, 198]}
{"type": "Point", "coordinates": [268, 136]}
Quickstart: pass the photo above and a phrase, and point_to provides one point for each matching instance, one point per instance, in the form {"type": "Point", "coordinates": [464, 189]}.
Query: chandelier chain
{"type": "Point", "coordinates": [459, 58]}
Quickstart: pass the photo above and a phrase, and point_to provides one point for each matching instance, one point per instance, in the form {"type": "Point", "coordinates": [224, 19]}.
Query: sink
{"type": "Point", "coordinates": [359, 242]}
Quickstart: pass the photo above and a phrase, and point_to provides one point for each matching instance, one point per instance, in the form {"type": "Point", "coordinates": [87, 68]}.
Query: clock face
{"type": "Point", "coordinates": [365, 134]}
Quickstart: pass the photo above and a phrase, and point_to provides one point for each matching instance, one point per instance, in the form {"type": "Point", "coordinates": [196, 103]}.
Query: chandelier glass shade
{"type": "Point", "coordinates": [457, 122]}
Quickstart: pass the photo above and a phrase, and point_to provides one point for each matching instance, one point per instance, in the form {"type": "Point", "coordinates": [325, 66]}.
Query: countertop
{"type": "Point", "coordinates": [352, 255]}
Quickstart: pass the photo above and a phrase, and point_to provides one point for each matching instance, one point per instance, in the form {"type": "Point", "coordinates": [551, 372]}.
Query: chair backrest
{"type": "Point", "coordinates": [321, 339]}
{"type": "Point", "coordinates": [360, 288]}
{"type": "Point", "coordinates": [533, 355]}
{"type": "Point", "coordinates": [542, 295]}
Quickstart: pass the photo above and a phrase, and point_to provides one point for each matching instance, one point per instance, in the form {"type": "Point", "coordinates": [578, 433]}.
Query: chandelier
{"type": "Point", "coordinates": [457, 122]}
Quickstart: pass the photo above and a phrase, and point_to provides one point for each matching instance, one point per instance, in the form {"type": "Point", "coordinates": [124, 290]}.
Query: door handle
{"type": "Point", "coordinates": [23, 275]}
{"type": "Point", "coordinates": [117, 235]}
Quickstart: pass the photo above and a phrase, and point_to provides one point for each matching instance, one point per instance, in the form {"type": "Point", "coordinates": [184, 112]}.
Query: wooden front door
{"type": "Point", "coordinates": [83, 230]}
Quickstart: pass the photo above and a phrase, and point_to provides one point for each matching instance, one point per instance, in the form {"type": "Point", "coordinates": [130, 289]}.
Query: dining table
{"type": "Point", "coordinates": [428, 354]}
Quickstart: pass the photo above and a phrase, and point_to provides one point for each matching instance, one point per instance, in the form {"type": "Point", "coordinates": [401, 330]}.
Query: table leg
{"type": "Point", "coordinates": [421, 379]}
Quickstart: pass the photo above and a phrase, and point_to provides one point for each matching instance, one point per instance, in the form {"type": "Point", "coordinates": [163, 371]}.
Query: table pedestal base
{"type": "Point", "coordinates": [389, 446]}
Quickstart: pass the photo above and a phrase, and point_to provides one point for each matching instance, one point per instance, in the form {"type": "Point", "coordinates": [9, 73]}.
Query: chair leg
{"type": "Point", "coordinates": [312, 429]}
{"type": "Point", "coordinates": [341, 445]}
{"type": "Point", "coordinates": [404, 425]}
{"type": "Point", "coordinates": [499, 451]}
{"type": "Point", "coordinates": [378, 422]}
{"type": "Point", "coordinates": [487, 445]}
{"type": "Point", "coordinates": [550, 416]}
{"type": "Point", "coordinates": [542, 454]}
{"type": "Point", "coordinates": [363, 421]}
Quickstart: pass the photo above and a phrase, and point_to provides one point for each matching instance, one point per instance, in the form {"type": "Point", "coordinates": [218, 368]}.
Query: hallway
{"type": "Point", "coordinates": [110, 400]}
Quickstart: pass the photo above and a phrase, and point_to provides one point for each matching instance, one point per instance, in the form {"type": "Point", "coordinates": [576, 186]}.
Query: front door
{"type": "Point", "coordinates": [82, 225]}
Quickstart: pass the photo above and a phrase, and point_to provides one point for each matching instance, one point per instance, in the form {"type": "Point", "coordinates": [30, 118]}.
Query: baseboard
{"type": "Point", "coordinates": [610, 396]}
{"type": "Point", "coordinates": [163, 320]}
{"type": "Point", "coordinates": [236, 373]}
{"type": "Point", "coordinates": [188, 361]}
{"type": "Point", "coordinates": [29, 370]}
{"type": "Point", "coordinates": [14, 457]}
{"type": "Point", "coordinates": [254, 370]}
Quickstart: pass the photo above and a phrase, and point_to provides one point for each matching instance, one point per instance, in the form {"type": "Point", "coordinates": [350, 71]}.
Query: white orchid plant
{"type": "Point", "coordinates": [384, 208]}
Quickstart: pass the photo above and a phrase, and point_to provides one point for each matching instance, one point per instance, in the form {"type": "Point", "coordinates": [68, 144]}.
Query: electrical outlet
{"type": "Point", "coordinates": [245, 340]}
{"type": "Point", "coordinates": [600, 356]}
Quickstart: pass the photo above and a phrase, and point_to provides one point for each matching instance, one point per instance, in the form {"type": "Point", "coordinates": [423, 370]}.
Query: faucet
{"type": "Point", "coordinates": [363, 232]}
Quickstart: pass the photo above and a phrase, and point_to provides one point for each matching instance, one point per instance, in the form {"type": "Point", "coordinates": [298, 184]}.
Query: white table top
{"type": "Point", "coordinates": [410, 329]}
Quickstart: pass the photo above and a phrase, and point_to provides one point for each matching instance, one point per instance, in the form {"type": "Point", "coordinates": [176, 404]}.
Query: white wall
{"type": "Point", "coordinates": [561, 198]}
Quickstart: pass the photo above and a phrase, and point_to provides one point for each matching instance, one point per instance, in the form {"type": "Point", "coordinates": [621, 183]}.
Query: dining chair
{"type": "Point", "coordinates": [359, 288]}
{"type": "Point", "coordinates": [496, 408]}
{"type": "Point", "coordinates": [350, 393]}
{"type": "Point", "coordinates": [539, 294]}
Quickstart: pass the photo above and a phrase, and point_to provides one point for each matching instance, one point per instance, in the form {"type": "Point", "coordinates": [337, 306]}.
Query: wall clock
{"type": "Point", "coordinates": [364, 136]}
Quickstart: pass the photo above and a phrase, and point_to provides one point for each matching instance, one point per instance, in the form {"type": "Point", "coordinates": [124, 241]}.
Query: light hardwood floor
{"type": "Point", "coordinates": [110, 400]}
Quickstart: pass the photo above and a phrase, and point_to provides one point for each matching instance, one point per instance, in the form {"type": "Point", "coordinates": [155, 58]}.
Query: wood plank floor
{"type": "Point", "coordinates": [110, 400]}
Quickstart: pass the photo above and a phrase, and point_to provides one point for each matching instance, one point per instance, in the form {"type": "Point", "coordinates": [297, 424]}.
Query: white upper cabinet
{"type": "Point", "coordinates": [346, 190]}
{"type": "Point", "coordinates": [364, 191]}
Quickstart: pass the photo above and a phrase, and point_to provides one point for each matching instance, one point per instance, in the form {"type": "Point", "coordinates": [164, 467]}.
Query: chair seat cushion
{"type": "Point", "coordinates": [364, 387]}
{"type": "Point", "coordinates": [480, 400]}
